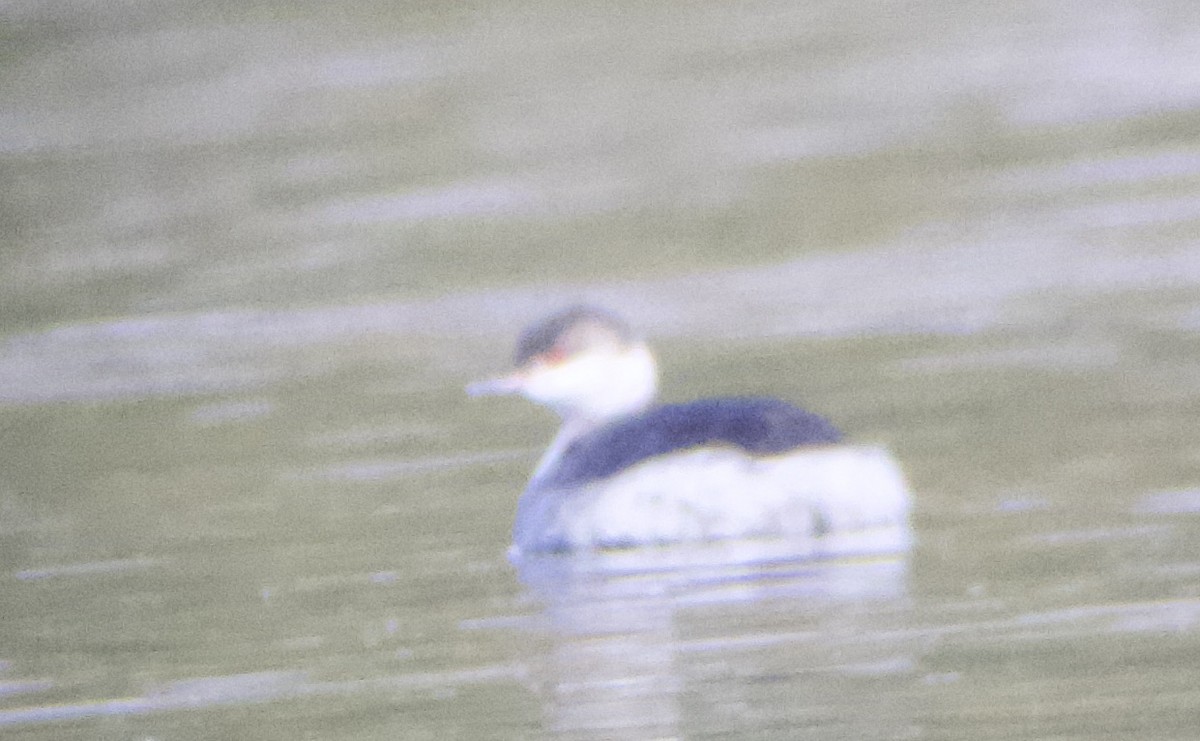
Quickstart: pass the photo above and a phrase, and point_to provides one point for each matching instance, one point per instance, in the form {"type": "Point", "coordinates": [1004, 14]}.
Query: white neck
{"type": "Point", "coordinates": [590, 391]}
{"type": "Point", "coordinates": [567, 434]}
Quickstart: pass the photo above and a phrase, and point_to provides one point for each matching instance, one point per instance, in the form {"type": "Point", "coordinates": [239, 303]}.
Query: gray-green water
{"type": "Point", "coordinates": [250, 255]}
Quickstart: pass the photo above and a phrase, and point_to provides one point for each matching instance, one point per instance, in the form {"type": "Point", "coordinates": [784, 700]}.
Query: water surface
{"type": "Point", "coordinates": [250, 258]}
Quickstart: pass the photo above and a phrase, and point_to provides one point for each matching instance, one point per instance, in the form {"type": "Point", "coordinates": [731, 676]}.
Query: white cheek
{"type": "Point", "coordinates": [596, 386]}
{"type": "Point", "coordinates": [570, 383]}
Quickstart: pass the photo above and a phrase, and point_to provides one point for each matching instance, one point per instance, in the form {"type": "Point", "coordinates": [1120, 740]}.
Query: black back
{"type": "Point", "coordinates": [758, 426]}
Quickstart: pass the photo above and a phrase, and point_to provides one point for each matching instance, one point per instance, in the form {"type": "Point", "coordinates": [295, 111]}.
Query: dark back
{"type": "Point", "coordinates": [758, 426]}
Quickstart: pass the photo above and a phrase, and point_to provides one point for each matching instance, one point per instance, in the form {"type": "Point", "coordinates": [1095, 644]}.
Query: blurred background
{"type": "Point", "coordinates": [250, 254]}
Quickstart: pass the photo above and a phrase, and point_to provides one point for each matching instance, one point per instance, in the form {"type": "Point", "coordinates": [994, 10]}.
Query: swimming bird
{"type": "Point", "coordinates": [624, 471]}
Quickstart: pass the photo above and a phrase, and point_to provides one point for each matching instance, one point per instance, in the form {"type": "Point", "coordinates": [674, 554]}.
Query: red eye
{"type": "Point", "coordinates": [554, 356]}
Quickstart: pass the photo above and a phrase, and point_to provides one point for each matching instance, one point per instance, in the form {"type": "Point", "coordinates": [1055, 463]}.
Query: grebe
{"type": "Point", "coordinates": [625, 472]}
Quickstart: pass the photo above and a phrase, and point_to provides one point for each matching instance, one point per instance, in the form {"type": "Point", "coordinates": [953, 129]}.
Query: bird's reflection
{"type": "Point", "coordinates": [635, 632]}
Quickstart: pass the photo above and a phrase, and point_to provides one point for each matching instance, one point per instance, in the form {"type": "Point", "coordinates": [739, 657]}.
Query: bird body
{"type": "Point", "coordinates": [623, 472]}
